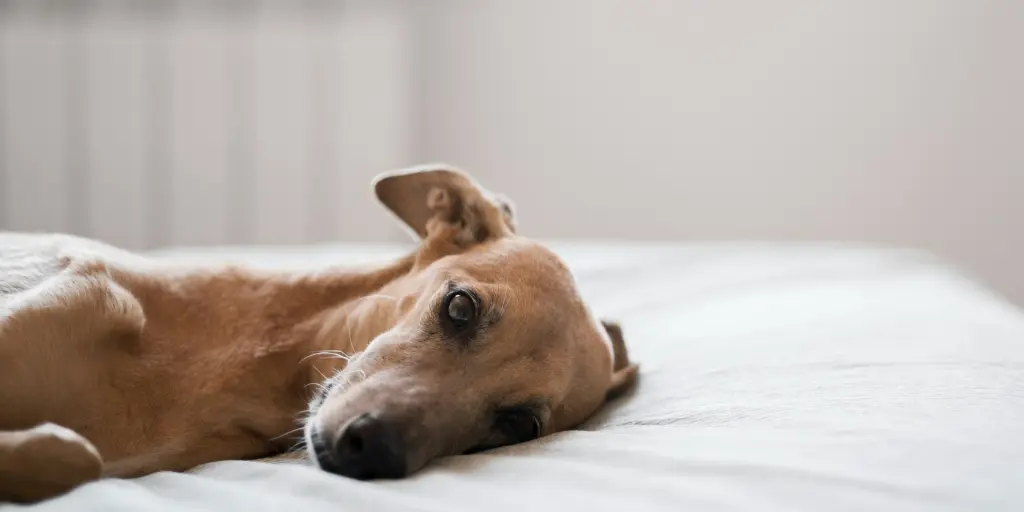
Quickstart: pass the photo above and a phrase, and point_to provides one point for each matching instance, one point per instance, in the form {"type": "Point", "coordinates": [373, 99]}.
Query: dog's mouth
{"type": "Point", "coordinates": [479, 448]}
{"type": "Point", "coordinates": [320, 450]}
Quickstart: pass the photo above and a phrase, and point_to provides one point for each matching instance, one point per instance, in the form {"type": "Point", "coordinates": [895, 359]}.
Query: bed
{"type": "Point", "coordinates": [774, 377]}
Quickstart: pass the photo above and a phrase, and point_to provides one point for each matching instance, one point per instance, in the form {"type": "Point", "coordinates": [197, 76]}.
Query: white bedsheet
{"type": "Point", "coordinates": [774, 377]}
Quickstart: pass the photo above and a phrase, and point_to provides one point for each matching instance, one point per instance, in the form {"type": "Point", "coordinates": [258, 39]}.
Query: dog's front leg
{"type": "Point", "coordinates": [45, 461]}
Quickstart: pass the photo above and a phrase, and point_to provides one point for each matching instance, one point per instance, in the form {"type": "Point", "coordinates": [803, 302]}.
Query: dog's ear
{"type": "Point", "coordinates": [624, 373]}
{"type": "Point", "coordinates": [419, 195]}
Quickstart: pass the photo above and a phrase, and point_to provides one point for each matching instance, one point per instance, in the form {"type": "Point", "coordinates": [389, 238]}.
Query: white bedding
{"type": "Point", "coordinates": [774, 377]}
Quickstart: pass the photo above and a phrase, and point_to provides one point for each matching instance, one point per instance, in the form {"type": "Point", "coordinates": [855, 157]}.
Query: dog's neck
{"type": "Point", "coordinates": [335, 295]}
{"type": "Point", "coordinates": [348, 309]}
{"type": "Point", "coordinates": [357, 307]}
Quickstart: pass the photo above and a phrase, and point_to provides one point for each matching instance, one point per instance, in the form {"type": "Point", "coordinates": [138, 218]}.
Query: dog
{"type": "Point", "coordinates": [115, 365]}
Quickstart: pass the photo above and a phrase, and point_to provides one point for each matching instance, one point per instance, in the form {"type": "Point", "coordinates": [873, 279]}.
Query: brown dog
{"type": "Point", "coordinates": [116, 365]}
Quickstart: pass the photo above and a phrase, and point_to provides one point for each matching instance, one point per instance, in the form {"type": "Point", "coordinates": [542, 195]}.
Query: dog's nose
{"type": "Point", "coordinates": [369, 448]}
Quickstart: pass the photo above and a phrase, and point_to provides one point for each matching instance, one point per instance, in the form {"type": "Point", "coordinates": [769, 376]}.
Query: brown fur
{"type": "Point", "coordinates": [146, 366]}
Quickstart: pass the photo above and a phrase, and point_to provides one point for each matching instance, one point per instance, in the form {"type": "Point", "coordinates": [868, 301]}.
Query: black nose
{"type": "Point", "coordinates": [369, 448]}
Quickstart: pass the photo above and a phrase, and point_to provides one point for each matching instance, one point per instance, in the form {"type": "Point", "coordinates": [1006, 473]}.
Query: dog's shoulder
{"type": "Point", "coordinates": [44, 274]}
{"type": "Point", "coordinates": [27, 260]}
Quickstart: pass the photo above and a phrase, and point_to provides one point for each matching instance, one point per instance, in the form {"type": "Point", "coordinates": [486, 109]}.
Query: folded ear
{"type": "Point", "coordinates": [624, 373]}
{"type": "Point", "coordinates": [418, 195]}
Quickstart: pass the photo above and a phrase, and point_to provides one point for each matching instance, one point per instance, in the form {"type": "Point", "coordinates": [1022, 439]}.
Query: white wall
{"type": "Point", "coordinates": [889, 121]}
{"type": "Point", "coordinates": [181, 122]}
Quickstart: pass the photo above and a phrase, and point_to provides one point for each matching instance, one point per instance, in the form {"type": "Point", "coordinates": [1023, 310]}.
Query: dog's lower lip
{"type": "Point", "coordinates": [323, 455]}
{"type": "Point", "coordinates": [476, 449]}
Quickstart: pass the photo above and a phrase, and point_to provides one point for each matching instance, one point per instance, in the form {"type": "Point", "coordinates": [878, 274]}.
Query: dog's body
{"type": "Point", "coordinates": [160, 367]}
{"type": "Point", "coordinates": [112, 364]}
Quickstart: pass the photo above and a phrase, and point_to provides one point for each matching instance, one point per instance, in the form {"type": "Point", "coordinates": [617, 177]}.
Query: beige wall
{"type": "Point", "coordinates": [889, 121]}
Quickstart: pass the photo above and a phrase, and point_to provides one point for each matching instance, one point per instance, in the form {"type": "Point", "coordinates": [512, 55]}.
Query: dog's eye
{"type": "Point", "coordinates": [460, 308]}
{"type": "Point", "coordinates": [519, 426]}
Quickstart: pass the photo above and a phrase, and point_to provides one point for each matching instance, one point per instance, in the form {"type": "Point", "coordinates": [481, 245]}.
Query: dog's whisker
{"type": "Point", "coordinates": [286, 434]}
{"type": "Point", "coordinates": [379, 296]}
{"type": "Point", "coordinates": [331, 354]}
{"type": "Point", "coordinates": [339, 353]}
{"type": "Point", "coordinates": [348, 333]}
{"type": "Point", "coordinates": [320, 372]}
{"type": "Point", "coordinates": [297, 449]}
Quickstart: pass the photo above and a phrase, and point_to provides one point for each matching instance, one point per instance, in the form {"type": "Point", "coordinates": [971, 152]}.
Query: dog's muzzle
{"type": "Point", "coordinates": [368, 448]}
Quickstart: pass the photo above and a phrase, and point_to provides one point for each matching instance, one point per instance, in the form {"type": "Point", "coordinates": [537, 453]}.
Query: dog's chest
{"type": "Point", "coordinates": [221, 413]}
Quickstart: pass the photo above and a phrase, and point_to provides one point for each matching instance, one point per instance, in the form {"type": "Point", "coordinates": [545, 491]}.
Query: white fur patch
{"type": "Point", "coordinates": [65, 434]}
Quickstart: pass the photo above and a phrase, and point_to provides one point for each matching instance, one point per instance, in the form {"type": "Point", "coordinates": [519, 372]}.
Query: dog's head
{"type": "Point", "coordinates": [486, 342]}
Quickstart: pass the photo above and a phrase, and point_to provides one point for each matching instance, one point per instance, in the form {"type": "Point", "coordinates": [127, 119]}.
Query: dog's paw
{"type": "Point", "coordinates": [46, 461]}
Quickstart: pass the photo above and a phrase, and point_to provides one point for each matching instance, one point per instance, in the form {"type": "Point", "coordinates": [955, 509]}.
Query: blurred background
{"type": "Point", "coordinates": [167, 123]}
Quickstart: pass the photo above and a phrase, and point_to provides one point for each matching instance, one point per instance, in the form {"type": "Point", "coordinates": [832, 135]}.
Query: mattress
{"type": "Point", "coordinates": [773, 377]}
